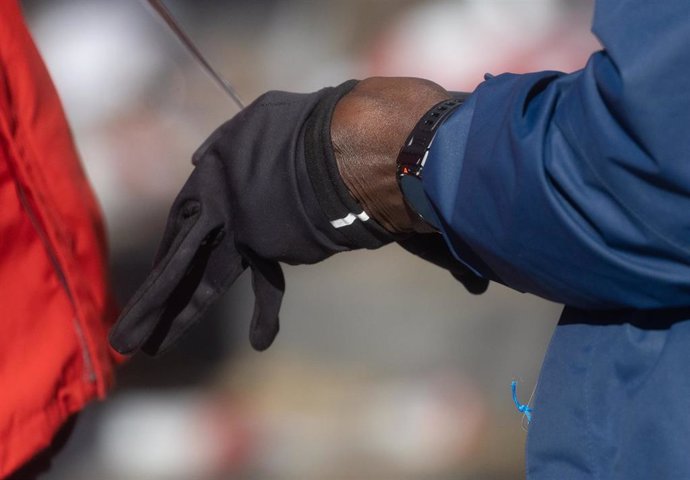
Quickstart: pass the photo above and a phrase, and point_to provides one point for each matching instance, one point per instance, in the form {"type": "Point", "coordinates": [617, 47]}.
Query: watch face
{"type": "Point", "coordinates": [413, 191]}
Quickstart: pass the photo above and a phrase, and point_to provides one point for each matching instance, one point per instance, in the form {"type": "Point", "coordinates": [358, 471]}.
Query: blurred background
{"type": "Point", "coordinates": [385, 367]}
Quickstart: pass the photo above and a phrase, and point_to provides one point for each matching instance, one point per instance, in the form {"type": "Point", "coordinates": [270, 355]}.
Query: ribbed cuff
{"type": "Point", "coordinates": [345, 214]}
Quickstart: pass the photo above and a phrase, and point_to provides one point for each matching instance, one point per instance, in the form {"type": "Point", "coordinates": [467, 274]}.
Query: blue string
{"type": "Point", "coordinates": [522, 408]}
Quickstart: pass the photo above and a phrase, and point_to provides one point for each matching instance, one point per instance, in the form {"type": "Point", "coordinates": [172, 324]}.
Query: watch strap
{"type": "Point", "coordinates": [414, 153]}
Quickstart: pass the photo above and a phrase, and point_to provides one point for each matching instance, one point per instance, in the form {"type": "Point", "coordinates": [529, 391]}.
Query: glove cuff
{"type": "Point", "coordinates": [345, 214]}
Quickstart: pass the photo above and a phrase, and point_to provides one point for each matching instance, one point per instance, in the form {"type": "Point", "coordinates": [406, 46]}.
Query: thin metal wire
{"type": "Point", "coordinates": [182, 36]}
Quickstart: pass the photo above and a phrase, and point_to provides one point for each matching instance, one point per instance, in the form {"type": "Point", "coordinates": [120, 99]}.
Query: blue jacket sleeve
{"type": "Point", "coordinates": [577, 187]}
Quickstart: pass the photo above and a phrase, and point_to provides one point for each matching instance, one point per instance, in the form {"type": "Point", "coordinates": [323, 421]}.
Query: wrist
{"type": "Point", "coordinates": [369, 127]}
{"type": "Point", "coordinates": [351, 226]}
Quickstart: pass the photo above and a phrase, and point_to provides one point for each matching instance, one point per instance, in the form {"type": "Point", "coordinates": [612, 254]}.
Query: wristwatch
{"type": "Point", "coordinates": [413, 155]}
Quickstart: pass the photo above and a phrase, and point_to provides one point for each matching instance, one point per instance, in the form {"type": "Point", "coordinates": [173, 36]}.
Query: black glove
{"type": "Point", "coordinates": [265, 189]}
{"type": "Point", "coordinates": [432, 248]}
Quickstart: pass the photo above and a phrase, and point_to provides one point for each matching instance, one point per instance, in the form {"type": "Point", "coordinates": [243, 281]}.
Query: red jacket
{"type": "Point", "coordinates": [55, 307]}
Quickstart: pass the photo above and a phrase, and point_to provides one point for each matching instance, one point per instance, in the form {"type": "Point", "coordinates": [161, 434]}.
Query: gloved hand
{"type": "Point", "coordinates": [265, 189]}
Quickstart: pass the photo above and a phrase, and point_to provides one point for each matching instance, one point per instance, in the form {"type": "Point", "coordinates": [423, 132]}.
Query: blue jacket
{"type": "Point", "coordinates": [576, 187]}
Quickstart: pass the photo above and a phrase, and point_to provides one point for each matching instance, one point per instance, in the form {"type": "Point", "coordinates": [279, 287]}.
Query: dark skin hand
{"type": "Point", "coordinates": [369, 126]}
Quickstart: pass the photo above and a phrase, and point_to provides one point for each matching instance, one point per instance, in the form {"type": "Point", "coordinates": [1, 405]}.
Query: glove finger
{"type": "Point", "coordinates": [196, 291]}
{"type": "Point", "coordinates": [432, 248]}
{"type": "Point", "coordinates": [180, 288]}
{"type": "Point", "coordinates": [268, 283]}
{"type": "Point", "coordinates": [473, 284]}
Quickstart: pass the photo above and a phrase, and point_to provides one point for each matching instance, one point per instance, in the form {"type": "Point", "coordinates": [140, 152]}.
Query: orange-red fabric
{"type": "Point", "coordinates": [54, 303]}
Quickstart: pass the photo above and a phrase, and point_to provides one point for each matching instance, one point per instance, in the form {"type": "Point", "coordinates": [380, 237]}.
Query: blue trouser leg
{"type": "Point", "coordinates": [613, 400]}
